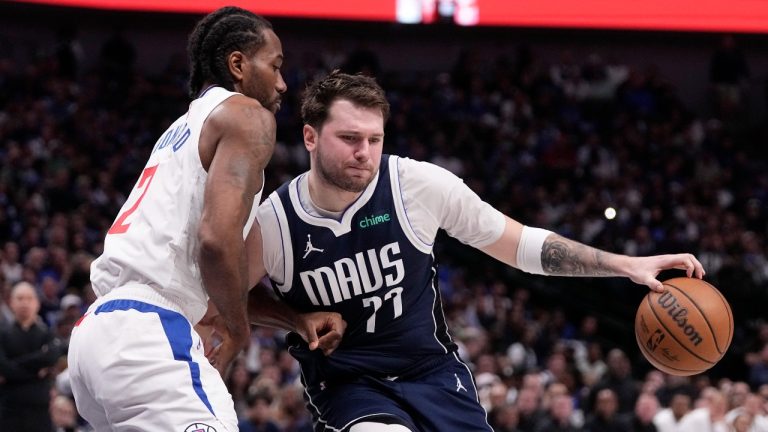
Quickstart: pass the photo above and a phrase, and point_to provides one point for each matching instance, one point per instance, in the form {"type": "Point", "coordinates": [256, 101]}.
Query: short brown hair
{"type": "Point", "coordinates": [359, 89]}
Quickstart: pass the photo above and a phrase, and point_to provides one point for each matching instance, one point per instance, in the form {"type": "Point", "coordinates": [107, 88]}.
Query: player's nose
{"type": "Point", "coordinates": [363, 151]}
{"type": "Point", "coordinates": [281, 86]}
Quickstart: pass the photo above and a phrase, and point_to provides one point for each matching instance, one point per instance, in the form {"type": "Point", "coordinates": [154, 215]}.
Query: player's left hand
{"type": "Point", "coordinates": [643, 270]}
{"type": "Point", "coordinates": [322, 330]}
{"type": "Point", "coordinates": [211, 331]}
{"type": "Point", "coordinates": [222, 355]}
{"type": "Point", "coordinates": [210, 327]}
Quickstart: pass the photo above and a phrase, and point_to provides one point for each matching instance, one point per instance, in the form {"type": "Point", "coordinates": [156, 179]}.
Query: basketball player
{"type": "Point", "coordinates": [354, 235]}
{"type": "Point", "coordinates": [136, 363]}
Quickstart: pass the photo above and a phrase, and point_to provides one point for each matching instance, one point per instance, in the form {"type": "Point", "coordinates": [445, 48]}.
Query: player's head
{"type": "Point", "coordinates": [238, 50]}
{"type": "Point", "coordinates": [344, 118]}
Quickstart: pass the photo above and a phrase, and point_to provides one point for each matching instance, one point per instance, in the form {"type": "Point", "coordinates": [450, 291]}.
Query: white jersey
{"type": "Point", "coordinates": [153, 240]}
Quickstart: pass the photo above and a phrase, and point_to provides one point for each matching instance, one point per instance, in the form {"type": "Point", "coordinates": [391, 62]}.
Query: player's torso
{"type": "Point", "coordinates": [365, 268]}
{"type": "Point", "coordinates": [153, 240]}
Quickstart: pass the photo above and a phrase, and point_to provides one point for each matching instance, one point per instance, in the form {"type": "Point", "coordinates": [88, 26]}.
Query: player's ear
{"type": "Point", "coordinates": [235, 65]}
{"type": "Point", "coordinates": [310, 137]}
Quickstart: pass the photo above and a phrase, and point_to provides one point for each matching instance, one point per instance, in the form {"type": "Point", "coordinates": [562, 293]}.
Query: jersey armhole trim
{"type": "Point", "coordinates": [214, 91]}
{"type": "Point", "coordinates": [402, 215]}
{"type": "Point", "coordinates": [285, 237]}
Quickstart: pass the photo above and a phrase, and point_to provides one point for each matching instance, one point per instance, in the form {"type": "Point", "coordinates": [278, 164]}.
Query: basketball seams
{"type": "Point", "coordinates": [672, 335]}
{"type": "Point", "coordinates": [730, 314]}
{"type": "Point", "coordinates": [703, 315]}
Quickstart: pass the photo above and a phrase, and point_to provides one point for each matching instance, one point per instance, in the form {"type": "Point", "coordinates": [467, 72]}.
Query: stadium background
{"type": "Point", "coordinates": [550, 124]}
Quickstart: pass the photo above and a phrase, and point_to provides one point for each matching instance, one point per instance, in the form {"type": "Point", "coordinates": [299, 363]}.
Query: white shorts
{"type": "Point", "coordinates": [136, 364]}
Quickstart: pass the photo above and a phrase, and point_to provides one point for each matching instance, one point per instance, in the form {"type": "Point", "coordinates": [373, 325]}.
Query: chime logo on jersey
{"type": "Point", "coordinates": [369, 221]}
{"type": "Point", "coordinates": [348, 277]}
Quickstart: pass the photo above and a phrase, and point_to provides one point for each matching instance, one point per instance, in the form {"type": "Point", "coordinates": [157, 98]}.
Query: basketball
{"type": "Point", "coordinates": [686, 329]}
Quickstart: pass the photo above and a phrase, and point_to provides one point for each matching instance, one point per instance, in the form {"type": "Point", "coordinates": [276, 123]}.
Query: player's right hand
{"type": "Point", "coordinates": [322, 330]}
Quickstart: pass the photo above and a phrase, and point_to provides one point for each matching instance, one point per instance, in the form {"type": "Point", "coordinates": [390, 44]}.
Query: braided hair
{"type": "Point", "coordinates": [215, 37]}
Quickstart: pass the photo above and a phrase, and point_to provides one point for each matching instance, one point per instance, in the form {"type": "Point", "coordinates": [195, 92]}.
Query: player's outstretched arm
{"type": "Point", "coordinates": [322, 330]}
{"type": "Point", "coordinates": [543, 252]}
{"type": "Point", "coordinates": [238, 138]}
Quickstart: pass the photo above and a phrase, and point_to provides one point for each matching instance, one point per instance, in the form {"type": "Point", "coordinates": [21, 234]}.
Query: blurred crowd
{"type": "Point", "coordinates": [552, 145]}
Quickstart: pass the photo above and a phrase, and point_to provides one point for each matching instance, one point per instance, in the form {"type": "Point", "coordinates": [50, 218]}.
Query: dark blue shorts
{"type": "Point", "coordinates": [438, 398]}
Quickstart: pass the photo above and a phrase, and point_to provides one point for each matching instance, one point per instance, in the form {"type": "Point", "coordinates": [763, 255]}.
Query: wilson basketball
{"type": "Point", "coordinates": [686, 329]}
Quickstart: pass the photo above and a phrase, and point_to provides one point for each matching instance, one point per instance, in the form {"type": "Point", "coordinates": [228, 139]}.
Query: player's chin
{"type": "Point", "coordinates": [357, 184]}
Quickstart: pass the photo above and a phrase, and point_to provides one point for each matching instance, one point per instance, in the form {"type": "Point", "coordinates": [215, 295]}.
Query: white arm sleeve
{"type": "Point", "coordinates": [529, 249]}
{"type": "Point", "coordinates": [435, 198]}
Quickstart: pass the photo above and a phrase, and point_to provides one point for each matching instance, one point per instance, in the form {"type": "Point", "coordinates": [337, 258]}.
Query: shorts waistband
{"type": "Point", "coordinates": [428, 365]}
{"type": "Point", "coordinates": [143, 293]}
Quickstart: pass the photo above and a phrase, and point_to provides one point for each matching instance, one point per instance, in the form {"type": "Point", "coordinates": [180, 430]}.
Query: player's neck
{"type": "Point", "coordinates": [327, 196]}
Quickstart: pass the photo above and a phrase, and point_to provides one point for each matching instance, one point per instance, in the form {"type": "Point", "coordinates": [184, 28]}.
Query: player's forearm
{"type": "Point", "coordinates": [265, 309]}
{"type": "Point", "coordinates": [563, 257]}
{"type": "Point", "coordinates": [224, 274]}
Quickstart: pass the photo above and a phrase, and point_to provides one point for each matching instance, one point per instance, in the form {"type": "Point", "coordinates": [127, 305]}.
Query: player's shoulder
{"type": "Point", "coordinates": [411, 170]}
{"type": "Point", "coordinates": [265, 213]}
{"type": "Point", "coordinates": [239, 112]}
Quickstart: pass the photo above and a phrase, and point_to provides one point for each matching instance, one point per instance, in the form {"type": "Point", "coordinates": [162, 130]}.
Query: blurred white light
{"type": "Point", "coordinates": [409, 11]}
{"type": "Point", "coordinates": [610, 213]}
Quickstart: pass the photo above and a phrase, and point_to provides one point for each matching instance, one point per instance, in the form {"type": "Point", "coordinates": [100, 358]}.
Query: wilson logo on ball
{"type": "Point", "coordinates": [678, 313]}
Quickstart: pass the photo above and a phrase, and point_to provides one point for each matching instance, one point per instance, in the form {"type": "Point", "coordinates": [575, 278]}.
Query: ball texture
{"type": "Point", "coordinates": [686, 329]}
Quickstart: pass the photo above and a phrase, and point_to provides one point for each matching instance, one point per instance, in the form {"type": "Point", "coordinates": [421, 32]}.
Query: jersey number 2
{"type": "Point", "coordinates": [120, 226]}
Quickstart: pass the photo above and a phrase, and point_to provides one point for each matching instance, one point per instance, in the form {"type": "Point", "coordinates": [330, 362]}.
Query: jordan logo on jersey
{"type": "Point", "coordinates": [310, 248]}
{"type": "Point", "coordinates": [459, 385]}
{"type": "Point", "coordinates": [348, 277]}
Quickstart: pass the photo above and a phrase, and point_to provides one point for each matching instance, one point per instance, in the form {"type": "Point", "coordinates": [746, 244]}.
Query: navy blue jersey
{"type": "Point", "coordinates": [384, 287]}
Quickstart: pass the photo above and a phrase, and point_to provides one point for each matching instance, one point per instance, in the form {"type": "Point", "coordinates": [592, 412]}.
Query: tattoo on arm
{"type": "Point", "coordinates": [563, 257]}
{"type": "Point", "coordinates": [262, 136]}
{"type": "Point", "coordinates": [239, 175]}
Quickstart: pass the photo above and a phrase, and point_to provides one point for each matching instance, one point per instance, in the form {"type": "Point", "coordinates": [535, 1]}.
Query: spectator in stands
{"type": "Point", "coordinates": [292, 416]}
{"type": "Point", "coordinates": [728, 73]}
{"type": "Point", "coordinates": [28, 350]}
{"type": "Point", "coordinates": [710, 416]}
{"type": "Point", "coordinates": [258, 418]}
{"type": "Point", "coordinates": [238, 382]}
{"type": "Point", "coordinates": [528, 408]}
{"type": "Point", "coordinates": [606, 416]}
{"type": "Point", "coordinates": [560, 417]}
{"type": "Point", "coordinates": [752, 408]}
{"type": "Point", "coordinates": [668, 419]}
{"type": "Point", "coordinates": [619, 379]}
{"type": "Point", "coordinates": [743, 422]}
{"type": "Point", "coordinates": [646, 408]}
{"type": "Point", "coordinates": [504, 419]}
{"type": "Point", "coordinates": [64, 415]}
{"type": "Point", "coordinates": [758, 371]}
{"type": "Point", "coordinates": [10, 265]}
